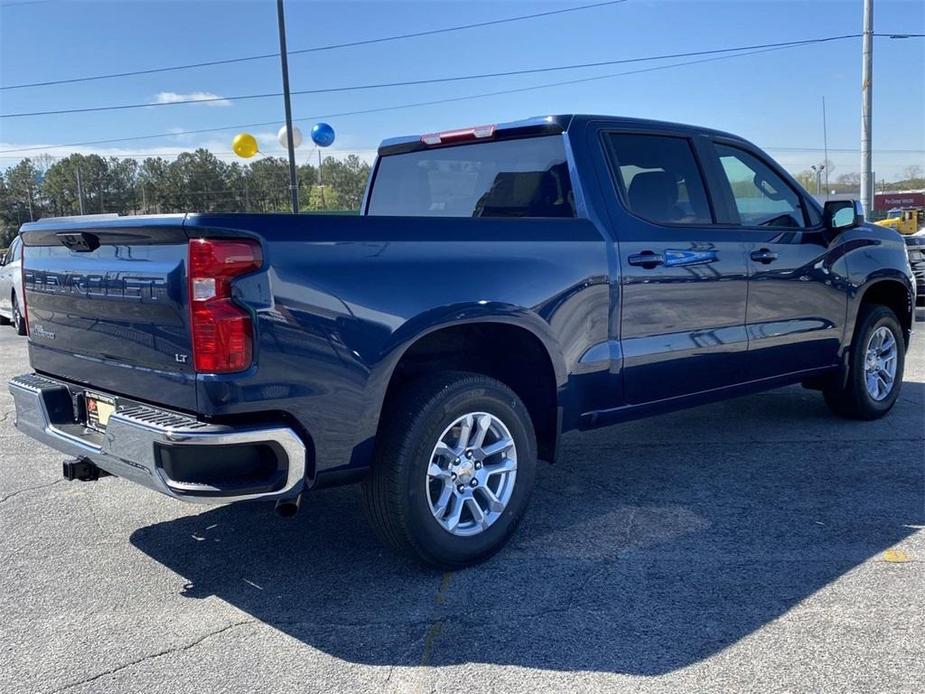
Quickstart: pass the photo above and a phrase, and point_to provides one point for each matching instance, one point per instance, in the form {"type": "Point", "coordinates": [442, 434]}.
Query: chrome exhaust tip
{"type": "Point", "coordinates": [287, 508]}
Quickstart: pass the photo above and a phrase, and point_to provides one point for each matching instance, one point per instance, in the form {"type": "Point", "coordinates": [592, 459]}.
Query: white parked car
{"type": "Point", "coordinates": [11, 287]}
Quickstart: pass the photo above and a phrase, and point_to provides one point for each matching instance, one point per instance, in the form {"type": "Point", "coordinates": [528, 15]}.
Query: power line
{"type": "Point", "coordinates": [433, 102]}
{"type": "Point", "coordinates": [380, 109]}
{"type": "Point", "coordinates": [455, 78]}
{"type": "Point", "coordinates": [316, 49]}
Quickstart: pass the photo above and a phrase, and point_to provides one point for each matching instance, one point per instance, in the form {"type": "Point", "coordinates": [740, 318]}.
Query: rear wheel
{"type": "Point", "coordinates": [875, 367]}
{"type": "Point", "coordinates": [454, 469]}
{"type": "Point", "coordinates": [19, 324]}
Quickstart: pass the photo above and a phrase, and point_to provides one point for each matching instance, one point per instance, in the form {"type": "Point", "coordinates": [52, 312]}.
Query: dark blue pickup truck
{"type": "Point", "coordinates": [503, 284]}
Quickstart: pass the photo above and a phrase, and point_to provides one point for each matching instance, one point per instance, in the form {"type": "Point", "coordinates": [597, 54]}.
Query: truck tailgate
{"type": "Point", "coordinates": [107, 307]}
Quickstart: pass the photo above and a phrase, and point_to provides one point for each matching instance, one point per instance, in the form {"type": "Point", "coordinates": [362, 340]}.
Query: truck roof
{"type": "Point", "coordinates": [538, 125]}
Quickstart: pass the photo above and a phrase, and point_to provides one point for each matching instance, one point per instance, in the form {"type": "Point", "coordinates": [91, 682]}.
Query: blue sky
{"type": "Point", "coordinates": [773, 99]}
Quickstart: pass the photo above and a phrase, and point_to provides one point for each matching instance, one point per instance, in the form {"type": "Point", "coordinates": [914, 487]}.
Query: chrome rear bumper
{"type": "Point", "coordinates": [135, 433]}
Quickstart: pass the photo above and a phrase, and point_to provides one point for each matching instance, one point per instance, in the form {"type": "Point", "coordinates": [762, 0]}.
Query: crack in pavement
{"type": "Point", "coordinates": [153, 656]}
{"type": "Point", "coordinates": [30, 489]}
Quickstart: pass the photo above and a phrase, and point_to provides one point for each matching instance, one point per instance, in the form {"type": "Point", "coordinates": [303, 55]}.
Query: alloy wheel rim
{"type": "Point", "coordinates": [471, 474]}
{"type": "Point", "coordinates": [880, 361]}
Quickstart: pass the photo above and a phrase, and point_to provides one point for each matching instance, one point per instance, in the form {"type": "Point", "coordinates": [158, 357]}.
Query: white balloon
{"type": "Point", "coordinates": [283, 140]}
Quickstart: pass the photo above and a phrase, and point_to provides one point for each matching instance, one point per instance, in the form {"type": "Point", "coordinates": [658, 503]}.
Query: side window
{"type": "Point", "coordinates": [762, 198]}
{"type": "Point", "coordinates": [659, 178]}
{"type": "Point", "coordinates": [12, 253]}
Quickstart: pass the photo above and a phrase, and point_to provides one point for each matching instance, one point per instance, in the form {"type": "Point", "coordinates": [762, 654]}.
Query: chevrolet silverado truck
{"type": "Point", "coordinates": [504, 284]}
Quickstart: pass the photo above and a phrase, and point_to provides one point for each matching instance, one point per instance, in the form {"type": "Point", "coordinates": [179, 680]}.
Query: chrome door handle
{"type": "Point", "coordinates": [646, 259]}
{"type": "Point", "coordinates": [764, 256]}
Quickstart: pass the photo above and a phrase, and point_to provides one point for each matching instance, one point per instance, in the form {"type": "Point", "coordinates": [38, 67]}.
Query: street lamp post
{"type": "Point", "coordinates": [284, 64]}
{"type": "Point", "coordinates": [817, 170]}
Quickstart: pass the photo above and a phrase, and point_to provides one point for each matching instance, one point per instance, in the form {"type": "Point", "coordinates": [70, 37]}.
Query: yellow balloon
{"type": "Point", "coordinates": [244, 145]}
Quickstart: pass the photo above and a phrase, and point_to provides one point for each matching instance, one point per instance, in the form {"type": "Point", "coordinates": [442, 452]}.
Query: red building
{"type": "Point", "coordinates": [905, 198]}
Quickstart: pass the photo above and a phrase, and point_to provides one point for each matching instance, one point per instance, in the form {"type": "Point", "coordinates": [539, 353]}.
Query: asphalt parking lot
{"type": "Point", "coordinates": [743, 546]}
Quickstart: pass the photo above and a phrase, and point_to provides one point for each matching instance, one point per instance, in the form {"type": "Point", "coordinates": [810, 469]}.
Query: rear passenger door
{"type": "Point", "coordinates": [797, 297]}
{"type": "Point", "coordinates": [683, 285]}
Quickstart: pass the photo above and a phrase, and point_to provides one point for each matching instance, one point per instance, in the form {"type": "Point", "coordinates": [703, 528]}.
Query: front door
{"type": "Point", "coordinates": [796, 298]}
{"type": "Point", "coordinates": [684, 281]}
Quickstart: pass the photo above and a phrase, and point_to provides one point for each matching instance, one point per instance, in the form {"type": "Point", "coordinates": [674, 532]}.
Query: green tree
{"type": "Point", "coordinates": [123, 193]}
{"type": "Point", "coordinates": [8, 227]}
{"type": "Point", "coordinates": [321, 198]}
{"type": "Point", "coordinates": [308, 177]}
{"type": "Point", "coordinates": [158, 193]}
{"type": "Point", "coordinates": [199, 179]}
{"type": "Point", "coordinates": [807, 179]}
{"type": "Point", "coordinates": [268, 179]}
{"type": "Point", "coordinates": [194, 181]}
{"type": "Point", "coordinates": [61, 183]}
{"type": "Point", "coordinates": [25, 201]}
{"type": "Point", "coordinates": [348, 177]}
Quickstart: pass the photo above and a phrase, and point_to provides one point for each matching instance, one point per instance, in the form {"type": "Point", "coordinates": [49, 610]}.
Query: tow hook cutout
{"type": "Point", "coordinates": [82, 469]}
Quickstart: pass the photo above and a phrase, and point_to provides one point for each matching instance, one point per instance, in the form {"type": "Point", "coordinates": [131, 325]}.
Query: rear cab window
{"type": "Point", "coordinates": [524, 177]}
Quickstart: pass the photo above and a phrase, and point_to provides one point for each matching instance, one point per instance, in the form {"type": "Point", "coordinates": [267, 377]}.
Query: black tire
{"type": "Point", "coordinates": [853, 401]}
{"type": "Point", "coordinates": [19, 323]}
{"type": "Point", "coordinates": [395, 492]}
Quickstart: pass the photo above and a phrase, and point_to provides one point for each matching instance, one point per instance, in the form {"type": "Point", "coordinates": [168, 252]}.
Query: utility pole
{"type": "Point", "coordinates": [284, 64]}
{"type": "Point", "coordinates": [80, 192]}
{"type": "Point", "coordinates": [825, 148]}
{"type": "Point", "coordinates": [867, 190]}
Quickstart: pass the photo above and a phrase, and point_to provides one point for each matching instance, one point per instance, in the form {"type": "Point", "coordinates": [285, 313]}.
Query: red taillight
{"type": "Point", "coordinates": [480, 132]}
{"type": "Point", "coordinates": [22, 276]}
{"type": "Point", "coordinates": [222, 331]}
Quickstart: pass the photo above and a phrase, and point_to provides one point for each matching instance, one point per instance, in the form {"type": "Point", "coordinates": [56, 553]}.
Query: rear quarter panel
{"type": "Point", "coordinates": [343, 298]}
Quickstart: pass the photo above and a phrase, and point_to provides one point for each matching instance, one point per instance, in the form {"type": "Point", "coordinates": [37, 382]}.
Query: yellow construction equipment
{"type": "Point", "coordinates": [908, 221]}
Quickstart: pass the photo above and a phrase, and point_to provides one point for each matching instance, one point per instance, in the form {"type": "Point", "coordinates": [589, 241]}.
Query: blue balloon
{"type": "Point", "coordinates": [322, 134]}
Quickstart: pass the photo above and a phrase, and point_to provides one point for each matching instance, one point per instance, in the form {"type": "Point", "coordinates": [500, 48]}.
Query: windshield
{"type": "Point", "coordinates": [507, 178]}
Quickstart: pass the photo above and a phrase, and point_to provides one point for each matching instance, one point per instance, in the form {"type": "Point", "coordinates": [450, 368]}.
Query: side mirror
{"type": "Point", "coordinates": [840, 215]}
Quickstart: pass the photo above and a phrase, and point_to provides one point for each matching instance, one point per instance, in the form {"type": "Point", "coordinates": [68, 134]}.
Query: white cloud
{"type": "Point", "coordinates": [209, 98]}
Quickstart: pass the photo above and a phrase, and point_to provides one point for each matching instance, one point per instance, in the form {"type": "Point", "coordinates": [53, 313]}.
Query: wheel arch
{"type": "Point", "coordinates": [894, 292]}
{"type": "Point", "coordinates": [466, 340]}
